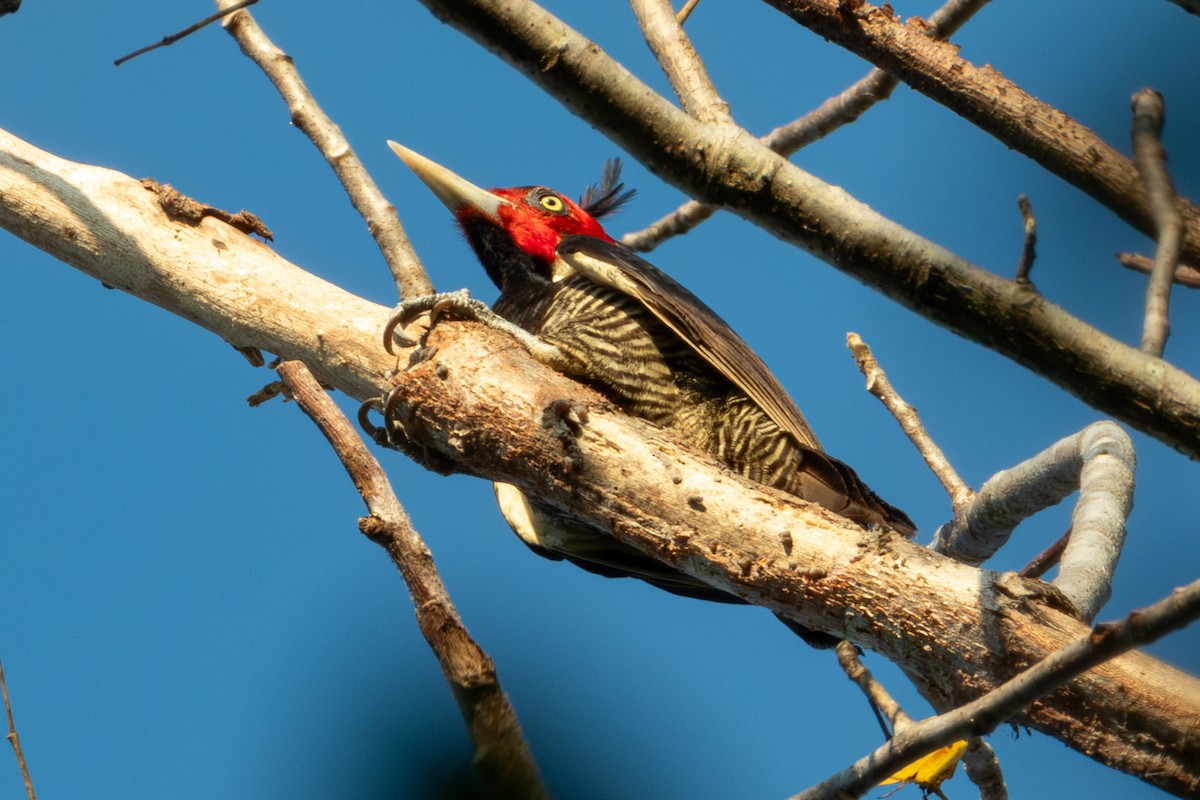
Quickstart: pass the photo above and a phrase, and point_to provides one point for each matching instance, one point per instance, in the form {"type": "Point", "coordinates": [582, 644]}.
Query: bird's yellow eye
{"type": "Point", "coordinates": [552, 203]}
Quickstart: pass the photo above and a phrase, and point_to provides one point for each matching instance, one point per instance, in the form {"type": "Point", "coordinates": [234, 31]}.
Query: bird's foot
{"type": "Point", "coordinates": [566, 419]}
{"type": "Point", "coordinates": [395, 432]}
{"type": "Point", "coordinates": [461, 305]}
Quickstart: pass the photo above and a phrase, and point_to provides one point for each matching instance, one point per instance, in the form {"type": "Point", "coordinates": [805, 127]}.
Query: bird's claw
{"type": "Point", "coordinates": [394, 433]}
{"type": "Point", "coordinates": [566, 420]}
{"type": "Point", "coordinates": [460, 302]}
{"type": "Point", "coordinates": [378, 435]}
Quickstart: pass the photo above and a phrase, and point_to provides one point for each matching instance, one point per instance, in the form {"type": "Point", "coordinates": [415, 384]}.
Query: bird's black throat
{"type": "Point", "coordinates": [510, 268]}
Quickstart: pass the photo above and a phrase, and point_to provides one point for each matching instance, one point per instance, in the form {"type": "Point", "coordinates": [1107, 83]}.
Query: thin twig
{"type": "Point", "coordinates": [839, 110]}
{"type": "Point", "coordinates": [878, 384]}
{"type": "Point", "coordinates": [679, 60]}
{"type": "Point", "coordinates": [410, 277]}
{"type": "Point", "coordinates": [501, 751]}
{"type": "Point", "coordinates": [14, 739]}
{"type": "Point", "coordinates": [877, 695]}
{"type": "Point", "coordinates": [1151, 161]}
{"type": "Point", "coordinates": [1185, 275]}
{"type": "Point", "coordinates": [188, 31]}
{"type": "Point", "coordinates": [1029, 245]}
{"type": "Point", "coordinates": [1040, 564]}
{"type": "Point", "coordinates": [979, 717]}
{"type": "Point", "coordinates": [687, 10]}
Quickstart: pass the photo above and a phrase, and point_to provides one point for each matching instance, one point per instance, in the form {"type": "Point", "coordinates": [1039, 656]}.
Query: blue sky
{"type": "Point", "coordinates": [186, 607]}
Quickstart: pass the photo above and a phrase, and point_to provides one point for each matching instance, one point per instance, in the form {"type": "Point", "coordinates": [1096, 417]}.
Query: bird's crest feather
{"type": "Point", "coordinates": [607, 196]}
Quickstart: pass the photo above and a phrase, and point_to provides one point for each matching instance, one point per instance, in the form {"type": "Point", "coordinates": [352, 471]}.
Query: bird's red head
{"type": "Point", "coordinates": [538, 219]}
{"type": "Point", "coordinates": [506, 226]}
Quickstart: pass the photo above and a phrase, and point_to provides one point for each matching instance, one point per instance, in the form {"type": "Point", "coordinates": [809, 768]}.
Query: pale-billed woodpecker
{"type": "Point", "coordinates": [620, 325]}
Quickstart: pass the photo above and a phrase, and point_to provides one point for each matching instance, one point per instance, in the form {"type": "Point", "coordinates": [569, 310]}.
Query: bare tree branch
{"type": "Point", "coordinates": [878, 385]}
{"type": "Point", "coordinates": [986, 772]}
{"type": "Point", "coordinates": [842, 109]}
{"type": "Point", "coordinates": [679, 62]}
{"type": "Point", "coordinates": [501, 752]}
{"type": "Point", "coordinates": [1151, 161]}
{"type": "Point", "coordinates": [687, 10]}
{"type": "Point", "coordinates": [1029, 240]}
{"type": "Point", "coordinates": [379, 214]}
{"type": "Point", "coordinates": [993, 103]}
{"type": "Point", "coordinates": [983, 768]}
{"type": "Point", "coordinates": [1184, 275]}
{"type": "Point", "coordinates": [188, 31]}
{"type": "Point", "coordinates": [981, 716]}
{"type": "Point", "coordinates": [1040, 564]}
{"type": "Point", "coordinates": [15, 740]}
{"type": "Point", "coordinates": [727, 166]}
{"type": "Point", "coordinates": [1190, 6]}
{"type": "Point", "coordinates": [1099, 463]}
{"type": "Point", "coordinates": [477, 400]}
{"type": "Point", "coordinates": [875, 692]}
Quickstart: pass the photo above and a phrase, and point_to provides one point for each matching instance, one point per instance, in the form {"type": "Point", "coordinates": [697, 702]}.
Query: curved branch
{"type": "Point", "coordinates": [477, 400]}
{"type": "Point", "coordinates": [727, 166]}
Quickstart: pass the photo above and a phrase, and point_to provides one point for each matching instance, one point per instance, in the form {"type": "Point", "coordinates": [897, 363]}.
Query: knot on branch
{"type": "Point", "coordinates": [179, 206]}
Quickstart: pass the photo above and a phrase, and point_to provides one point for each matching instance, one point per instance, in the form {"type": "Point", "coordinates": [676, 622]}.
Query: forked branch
{"type": "Point", "coordinates": [981, 716]}
{"type": "Point", "coordinates": [841, 109]}
{"type": "Point", "coordinates": [479, 404]}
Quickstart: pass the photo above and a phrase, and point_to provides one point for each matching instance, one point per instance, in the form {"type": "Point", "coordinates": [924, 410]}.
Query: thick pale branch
{"type": "Point", "coordinates": [111, 227]}
{"type": "Point", "coordinates": [983, 768]}
{"type": "Point", "coordinates": [478, 400]}
{"type": "Point", "coordinates": [725, 165]}
{"type": "Point", "coordinates": [1099, 463]}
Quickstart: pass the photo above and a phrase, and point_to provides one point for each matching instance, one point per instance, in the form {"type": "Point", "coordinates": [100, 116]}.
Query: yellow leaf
{"type": "Point", "coordinates": [929, 772]}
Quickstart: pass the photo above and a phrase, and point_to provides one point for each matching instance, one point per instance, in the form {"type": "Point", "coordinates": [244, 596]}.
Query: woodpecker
{"type": "Point", "coordinates": [624, 327]}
